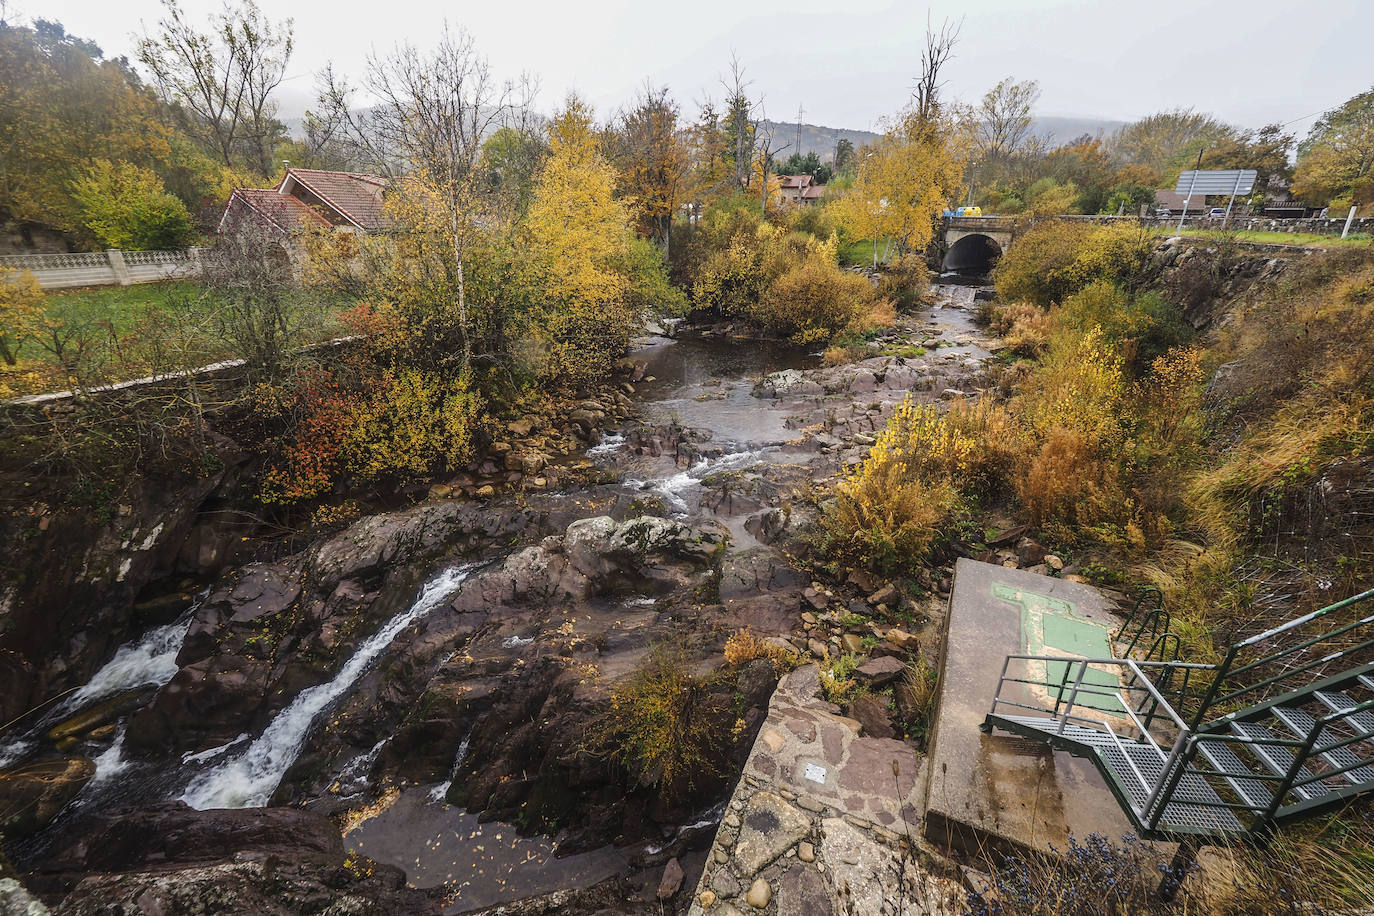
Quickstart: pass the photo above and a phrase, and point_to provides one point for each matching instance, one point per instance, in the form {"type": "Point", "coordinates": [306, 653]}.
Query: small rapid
{"type": "Point", "coordinates": [148, 661]}
{"type": "Point", "coordinates": [672, 489]}
{"type": "Point", "coordinates": [248, 779]}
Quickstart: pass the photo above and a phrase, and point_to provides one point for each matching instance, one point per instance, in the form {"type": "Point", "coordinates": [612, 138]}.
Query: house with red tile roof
{"type": "Point", "coordinates": [345, 201]}
{"type": "Point", "coordinates": [799, 189]}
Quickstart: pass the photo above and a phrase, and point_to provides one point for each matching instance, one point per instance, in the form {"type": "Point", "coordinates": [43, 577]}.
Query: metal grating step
{"type": "Point", "coordinates": [1278, 758]}
{"type": "Point", "coordinates": [1135, 768]}
{"type": "Point", "coordinates": [1254, 792]}
{"type": "Point", "coordinates": [1339, 702]}
{"type": "Point", "coordinates": [1301, 723]}
{"type": "Point", "coordinates": [1194, 806]}
{"type": "Point", "coordinates": [1367, 680]}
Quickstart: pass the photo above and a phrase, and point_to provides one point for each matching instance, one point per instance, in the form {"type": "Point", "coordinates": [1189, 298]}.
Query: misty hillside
{"type": "Point", "coordinates": [821, 140]}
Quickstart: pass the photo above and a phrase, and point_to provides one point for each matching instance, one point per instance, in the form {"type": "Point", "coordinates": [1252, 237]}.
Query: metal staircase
{"type": "Point", "coordinates": [1282, 728]}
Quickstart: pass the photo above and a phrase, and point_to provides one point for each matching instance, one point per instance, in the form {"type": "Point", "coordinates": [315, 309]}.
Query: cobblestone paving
{"type": "Point", "coordinates": [823, 821]}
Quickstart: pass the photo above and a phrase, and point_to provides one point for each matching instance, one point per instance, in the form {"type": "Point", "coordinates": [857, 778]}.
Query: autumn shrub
{"type": "Point", "coordinates": [817, 220]}
{"type": "Point", "coordinates": [125, 206]}
{"type": "Point", "coordinates": [785, 281]}
{"type": "Point", "coordinates": [1023, 327]}
{"type": "Point", "coordinates": [745, 645]}
{"type": "Point", "coordinates": [905, 281]}
{"type": "Point", "coordinates": [1057, 258]}
{"type": "Point", "coordinates": [1140, 327]}
{"type": "Point", "coordinates": [397, 423]}
{"type": "Point", "coordinates": [814, 299]}
{"type": "Point", "coordinates": [896, 508]}
{"type": "Point", "coordinates": [23, 312]}
{"type": "Point", "coordinates": [663, 724]}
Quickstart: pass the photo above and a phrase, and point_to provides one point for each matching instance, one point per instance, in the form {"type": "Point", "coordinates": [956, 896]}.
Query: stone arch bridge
{"type": "Point", "coordinates": [974, 243]}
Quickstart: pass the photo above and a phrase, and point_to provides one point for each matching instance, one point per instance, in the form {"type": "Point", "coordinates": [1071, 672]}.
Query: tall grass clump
{"type": "Point", "coordinates": [894, 510]}
{"type": "Point", "coordinates": [664, 723]}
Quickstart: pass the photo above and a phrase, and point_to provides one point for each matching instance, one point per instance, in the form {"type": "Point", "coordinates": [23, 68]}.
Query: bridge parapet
{"type": "Point", "coordinates": [984, 223]}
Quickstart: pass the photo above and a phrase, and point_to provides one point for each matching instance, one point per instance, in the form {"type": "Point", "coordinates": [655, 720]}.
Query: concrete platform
{"type": "Point", "coordinates": [1001, 791]}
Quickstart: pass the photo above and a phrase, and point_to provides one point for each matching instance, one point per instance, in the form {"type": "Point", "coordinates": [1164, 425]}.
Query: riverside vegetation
{"type": "Point", "coordinates": [1227, 468]}
{"type": "Point", "coordinates": [1145, 430]}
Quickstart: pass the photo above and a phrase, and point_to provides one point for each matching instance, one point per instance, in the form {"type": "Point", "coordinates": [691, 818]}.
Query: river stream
{"type": "Point", "coordinates": [702, 382]}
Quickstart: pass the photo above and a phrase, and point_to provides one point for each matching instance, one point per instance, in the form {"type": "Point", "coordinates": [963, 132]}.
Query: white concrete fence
{"type": "Point", "coordinates": [106, 268]}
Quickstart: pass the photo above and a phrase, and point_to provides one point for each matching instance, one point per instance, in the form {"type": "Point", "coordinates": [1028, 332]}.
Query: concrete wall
{"type": "Point", "coordinates": [106, 268]}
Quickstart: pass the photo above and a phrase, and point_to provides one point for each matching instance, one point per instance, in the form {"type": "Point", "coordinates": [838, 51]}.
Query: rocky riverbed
{"type": "Point", "coordinates": [410, 715]}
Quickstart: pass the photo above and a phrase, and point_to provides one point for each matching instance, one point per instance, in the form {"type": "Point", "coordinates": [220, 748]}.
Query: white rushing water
{"type": "Point", "coordinates": [150, 660]}
{"type": "Point", "coordinates": [610, 443]}
{"type": "Point", "coordinates": [439, 792]}
{"type": "Point", "coordinates": [110, 763]}
{"type": "Point", "coordinates": [671, 489]}
{"type": "Point", "coordinates": [249, 779]}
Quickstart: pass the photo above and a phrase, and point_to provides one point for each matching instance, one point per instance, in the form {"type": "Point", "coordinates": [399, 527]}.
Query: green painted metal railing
{"type": "Point", "coordinates": [1281, 729]}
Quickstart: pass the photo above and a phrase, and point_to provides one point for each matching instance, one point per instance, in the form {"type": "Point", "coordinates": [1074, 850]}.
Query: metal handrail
{"type": "Point", "coordinates": [1216, 697]}
{"type": "Point", "coordinates": [1284, 786]}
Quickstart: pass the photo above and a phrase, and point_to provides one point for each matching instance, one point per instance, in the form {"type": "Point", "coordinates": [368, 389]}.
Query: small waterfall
{"type": "Point", "coordinates": [441, 790]}
{"type": "Point", "coordinates": [610, 443]}
{"type": "Point", "coordinates": [249, 779]}
{"type": "Point", "coordinates": [670, 489]}
{"type": "Point", "coordinates": [151, 659]}
{"type": "Point", "coordinates": [110, 763]}
{"type": "Point", "coordinates": [353, 775]}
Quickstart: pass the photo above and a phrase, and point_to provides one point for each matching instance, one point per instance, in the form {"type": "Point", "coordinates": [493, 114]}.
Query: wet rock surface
{"type": "Point", "coordinates": [680, 526]}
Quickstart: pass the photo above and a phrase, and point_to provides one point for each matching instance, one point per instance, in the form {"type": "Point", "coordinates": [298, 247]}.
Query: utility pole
{"type": "Point", "coordinates": [800, 112]}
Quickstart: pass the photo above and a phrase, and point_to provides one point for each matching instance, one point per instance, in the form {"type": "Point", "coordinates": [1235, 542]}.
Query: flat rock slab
{"type": "Point", "coordinates": [770, 827]}
{"type": "Point", "coordinates": [1000, 789]}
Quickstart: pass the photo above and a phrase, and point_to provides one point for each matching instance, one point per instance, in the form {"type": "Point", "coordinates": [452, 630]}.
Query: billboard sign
{"type": "Point", "coordinates": [1226, 181]}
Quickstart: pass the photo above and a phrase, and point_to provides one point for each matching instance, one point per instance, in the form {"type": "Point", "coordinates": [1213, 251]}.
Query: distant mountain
{"type": "Point", "coordinates": [814, 138]}
{"type": "Point", "coordinates": [1057, 130]}
{"type": "Point", "coordinates": [821, 140]}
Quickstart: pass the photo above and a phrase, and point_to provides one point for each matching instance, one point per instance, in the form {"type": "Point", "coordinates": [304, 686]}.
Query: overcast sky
{"type": "Point", "coordinates": [848, 62]}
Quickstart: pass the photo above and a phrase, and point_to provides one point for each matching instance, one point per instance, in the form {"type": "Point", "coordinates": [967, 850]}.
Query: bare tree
{"type": "Point", "coordinates": [740, 123]}
{"type": "Point", "coordinates": [264, 48]}
{"type": "Point", "coordinates": [254, 296]}
{"type": "Point", "coordinates": [938, 49]}
{"type": "Point", "coordinates": [763, 141]}
{"type": "Point", "coordinates": [1004, 118]}
{"type": "Point", "coordinates": [223, 78]}
{"type": "Point", "coordinates": [432, 113]}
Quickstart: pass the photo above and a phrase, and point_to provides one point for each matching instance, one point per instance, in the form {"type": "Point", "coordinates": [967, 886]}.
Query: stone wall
{"type": "Point", "coordinates": [105, 268]}
{"type": "Point", "coordinates": [1331, 227]}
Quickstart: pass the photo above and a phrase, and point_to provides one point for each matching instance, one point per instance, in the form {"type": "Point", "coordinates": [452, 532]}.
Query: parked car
{"type": "Point", "coordinates": [1216, 213]}
{"type": "Point", "coordinates": [969, 211]}
{"type": "Point", "coordinates": [1163, 212]}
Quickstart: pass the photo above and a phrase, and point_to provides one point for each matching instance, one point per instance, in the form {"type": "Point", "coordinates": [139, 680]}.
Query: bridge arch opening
{"type": "Point", "coordinates": [972, 254]}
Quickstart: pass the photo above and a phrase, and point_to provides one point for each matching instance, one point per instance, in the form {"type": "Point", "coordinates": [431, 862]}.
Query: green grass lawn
{"type": "Point", "coordinates": [122, 306]}
{"type": "Point", "coordinates": [860, 253]}
{"type": "Point", "coordinates": [126, 332]}
{"type": "Point", "coordinates": [1287, 238]}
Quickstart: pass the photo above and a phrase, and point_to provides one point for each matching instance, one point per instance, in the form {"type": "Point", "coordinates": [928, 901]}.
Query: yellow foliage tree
{"type": "Point", "coordinates": [902, 183]}
{"type": "Point", "coordinates": [578, 233]}
{"type": "Point", "coordinates": [22, 312]}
